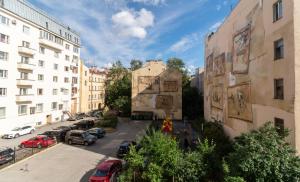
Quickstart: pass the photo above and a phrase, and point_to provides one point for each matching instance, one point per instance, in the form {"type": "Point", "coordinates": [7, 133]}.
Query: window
{"type": "Point", "coordinates": [75, 49]}
{"type": "Point", "coordinates": [277, 10]}
{"type": "Point", "coordinates": [56, 54]}
{"type": "Point", "coordinates": [279, 125]}
{"type": "Point", "coordinates": [66, 68]}
{"type": "Point", "coordinates": [67, 46]}
{"type": "Point", "coordinates": [278, 49]}
{"type": "Point", "coordinates": [67, 58]}
{"type": "Point", "coordinates": [3, 19]}
{"type": "Point", "coordinates": [85, 83]}
{"type": "Point", "coordinates": [26, 29]}
{"type": "Point", "coordinates": [25, 44]}
{"type": "Point", "coordinates": [66, 80]}
{"type": "Point", "coordinates": [60, 106]}
{"type": "Point", "coordinates": [3, 91]}
{"type": "Point", "coordinates": [40, 77]}
{"type": "Point", "coordinates": [55, 79]}
{"type": "Point", "coordinates": [4, 38]}
{"type": "Point", "coordinates": [278, 89]}
{"type": "Point", "coordinates": [85, 73]}
{"type": "Point", "coordinates": [2, 112]}
{"type": "Point", "coordinates": [42, 50]}
{"type": "Point", "coordinates": [23, 76]}
{"type": "Point", "coordinates": [41, 63]}
{"type": "Point", "coordinates": [32, 110]}
{"type": "Point", "coordinates": [55, 66]}
{"type": "Point", "coordinates": [3, 73]}
{"type": "Point", "coordinates": [39, 108]}
{"type": "Point", "coordinates": [24, 60]}
{"type": "Point", "coordinates": [89, 106]}
{"type": "Point", "coordinates": [39, 91]}
{"type": "Point", "coordinates": [3, 56]}
{"type": "Point", "coordinates": [22, 109]}
{"type": "Point", "coordinates": [54, 91]}
{"type": "Point", "coordinates": [23, 91]}
{"type": "Point", "coordinates": [47, 25]}
{"type": "Point", "coordinates": [54, 106]}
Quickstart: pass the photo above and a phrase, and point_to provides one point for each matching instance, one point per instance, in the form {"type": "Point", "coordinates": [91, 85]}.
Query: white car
{"type": "Point", "coordinates": [18, 131]}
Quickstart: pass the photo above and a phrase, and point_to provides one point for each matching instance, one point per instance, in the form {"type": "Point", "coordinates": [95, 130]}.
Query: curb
{"type": "Point", "coordinates": [23, 160]}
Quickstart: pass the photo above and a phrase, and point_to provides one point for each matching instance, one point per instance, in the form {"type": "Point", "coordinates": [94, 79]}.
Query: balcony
{"type": "Point", "coordinates": [51, 44]}
{"type": "Point", "coordinates": [26, 50]}
{"type": "Point", "coordinates": [24, 98]}
{"type": "Point", "coordinates": [25, 82]}
{"type": "Point", "coordinates": [26, 66]}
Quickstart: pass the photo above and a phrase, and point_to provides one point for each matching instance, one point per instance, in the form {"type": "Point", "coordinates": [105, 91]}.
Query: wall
{"type": "Point", "coordinates": [157, 89]}
{"type": "Point", "coordinates": [239, 88]}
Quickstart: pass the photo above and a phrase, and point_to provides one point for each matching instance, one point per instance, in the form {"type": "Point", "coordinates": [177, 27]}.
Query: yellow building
{"type": "Point", "coordinates": [252, 74]}
{"type": "Point", "coordinates": [92, 92]}
{"type": "Point", "coordinates": [157, 91]}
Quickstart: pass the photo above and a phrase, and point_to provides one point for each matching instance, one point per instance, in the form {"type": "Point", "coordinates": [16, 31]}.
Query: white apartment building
{"type": "Point", "coordinates": [39, 60]}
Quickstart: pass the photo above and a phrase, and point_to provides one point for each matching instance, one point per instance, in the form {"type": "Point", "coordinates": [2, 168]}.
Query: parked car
{"type": "Point", "coordinates": [18, 131]}
{"type": "Point", "coordinates": [58, 135]}
{"type": "Point", "coordinates": [107, 171]}
{"type": "Point", "coordinates": [85, 124]}
{"type": "Point", "coordinates": [67, 128]}
{"type": "Point", "coordinates": [39, 141]}
{"type": "Point", "coordinates": [6, 155]}
{"type": "Point", "coordinates": [97, 132]}
{"type": "Point", "coordinates": [124, 148]}
{"type": "Point", "coordinates": [95, 113]}
{"type": "Point", "coordinates": [80, 137]}
{"type": "Point", "coordinates": [79, 116]}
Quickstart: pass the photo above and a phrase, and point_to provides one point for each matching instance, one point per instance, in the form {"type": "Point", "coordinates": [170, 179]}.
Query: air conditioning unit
{"type": "Point", "coordinates": [14, 22]}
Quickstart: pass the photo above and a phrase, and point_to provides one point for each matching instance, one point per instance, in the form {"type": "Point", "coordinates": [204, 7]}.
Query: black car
{"type": "Point", "coordinates": [98, 132]}
{"type": "Point", "coordinates": [6, 155]}
{"type": "Point", "coordinates": [58, 135]}
{"type": "Point", "coordinates": [79, 116]}
{"type": "Point", "coordinates": [124, 148]}
{"type": "Point", "coordinates": [80, 137]}
{"type": "Point", "coordinates": [85, 124]}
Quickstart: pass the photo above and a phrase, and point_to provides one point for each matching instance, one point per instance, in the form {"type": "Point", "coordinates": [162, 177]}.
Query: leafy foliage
{"type": "Point", "coordinates": [263, 155]}
{"type": "Point", "coordinates": [135, 64]}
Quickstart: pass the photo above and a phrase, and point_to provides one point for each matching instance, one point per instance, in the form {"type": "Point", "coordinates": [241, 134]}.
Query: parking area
{"type": "Point", "coordinates": [64, 162]}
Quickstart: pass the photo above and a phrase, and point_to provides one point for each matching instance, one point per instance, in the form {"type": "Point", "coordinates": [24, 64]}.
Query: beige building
{"type": "Point", "coordinates": [252, 75]}
{"type": "Point", "coordinates": [92, 92]}
{"type": "Point", "coordinates": [157, 91]}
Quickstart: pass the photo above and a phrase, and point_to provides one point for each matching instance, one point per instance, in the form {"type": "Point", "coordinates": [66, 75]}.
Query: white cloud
{"type": "Point", "coordinates": [218, 7]}
{"type": "Point", "coordinates": [151, 2]}
{"type": "Point", "coordinates": [215, 26]}
{"type": "Point", "coordinates": [133, 23]}
{"type": "Point", "coordinates": [186, 43]}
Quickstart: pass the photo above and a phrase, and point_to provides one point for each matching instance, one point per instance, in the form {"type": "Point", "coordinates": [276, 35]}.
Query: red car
{"type": "Point", "coordinates": [106, 171]}
{"type": "Point", "coordinates": [38, 141]}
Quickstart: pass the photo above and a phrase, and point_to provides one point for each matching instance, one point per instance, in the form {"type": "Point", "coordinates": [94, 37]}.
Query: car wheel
{"type": "Point", "coordinates": [39, 146]}
{"type": "Point", "coordinates": [86, 143]}
{"type": "Point", "coordinates": [70, 142]}
{"type": "Point", "coordinates": [17, 135]}
{"type": "Point", "coordinates": [31, 131]}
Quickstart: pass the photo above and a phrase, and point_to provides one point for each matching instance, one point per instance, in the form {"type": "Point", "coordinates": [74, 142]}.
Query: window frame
{"type": "Point", "coordinates": [278, 45]}
{"type": "Point", "coordinates": [277, 11]}
{"type": "Point", "coordinates": [276, 85]}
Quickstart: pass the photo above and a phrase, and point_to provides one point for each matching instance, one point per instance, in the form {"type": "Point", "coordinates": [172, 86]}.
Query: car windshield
{"type": "Point", "coordinates": [16, 129]}
{"type": "Point", "coordinates": [101, 173]}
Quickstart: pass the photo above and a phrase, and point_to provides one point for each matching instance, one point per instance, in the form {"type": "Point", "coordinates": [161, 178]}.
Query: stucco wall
{"type": "Point", "coordinates": [147, 100]}
{"type": "Point", "coordinates": [260, 105]}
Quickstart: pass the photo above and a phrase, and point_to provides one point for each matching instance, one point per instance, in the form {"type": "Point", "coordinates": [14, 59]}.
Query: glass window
{"type": "Point", "coordinates": [39, 91]}
{"type": "Point", "coordinates": [3, 91]}
{"type": "Point", "coordinates": [277, 10]}
{"type": "Point", "coordinates": [67, 58]}
{"type": "Point", "coordinates": [55, 66]}
{"type": "Point", "coordinates": [55, 91]}
{"type": "Point", "coordinates": [60, 106]}
{"type": "Point", "coordinates": [41, 63]}
{"type": "Point", "coordinates": [4, 20]}
{"type": "Point", "coordinates": [40, 77]}
{"type": "Point", "coordinates": [3, 73]}
{"type": "Point", "coordinates": [24, 60]}
{"type": "Point", "coordinates": [22, 109]}
{"type": "Point", "coordinates": [3, 56]}
{"type": "Point", "coordinates": [39, 108]}
{"type": "Point", "coordinates": [54, 105]}
{"type": "Point", "coordinates": [67, 46]}
{"type": "Point", "coordinates": [2, 112]}
{"type": "Point", "coordinates": [25, 44]}
{"type": "Point", "coordinates": [278, 49]}
{"type": "Point", "coordinates": [23, 91]}
{"type": "Point", "coordinates": [42, 50]}
{"type": "Point", "coordinates": [278, 89]}
{"type": "Point", "coordinates": [66, 80]}
{"type": "Point", "coordinates": [55, 78]}
{"type": "Point", "coordinates": [32, 110]}
{"type": "Point", "coordinates": [279, 125]}
{"type": "Point", "coordinates": [4, 38]}
{"type": "Point", "coordinates": [26, 29]}
{"type": "Point", "coordinates": [23, 76]}
{"type": "Point", "coordinates": [66, 68]}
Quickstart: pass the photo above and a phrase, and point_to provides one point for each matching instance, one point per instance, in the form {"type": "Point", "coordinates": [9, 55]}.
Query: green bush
{"type": "Point", "coordinates": [110, 120]}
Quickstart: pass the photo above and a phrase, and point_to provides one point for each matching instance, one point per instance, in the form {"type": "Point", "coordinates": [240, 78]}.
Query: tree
{"type": "Point", "coordinates": [135, 64]}
{"type": "Point", "coordinates": [263, 155]}
{"type": "Point", "coordinates": [192, 103]}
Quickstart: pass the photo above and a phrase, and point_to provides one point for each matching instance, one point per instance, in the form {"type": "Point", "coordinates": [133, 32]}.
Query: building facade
{"type": "Point", "coordinates": [92, 91]}
{"type": "Point", "coordinates": [252, 73]}
{"type": "Point", "coordinates": [37, 56]}
{"type": "Point", "coordinates": [198, 80]}
{"type": "Point", "coordinates": [157, 91]}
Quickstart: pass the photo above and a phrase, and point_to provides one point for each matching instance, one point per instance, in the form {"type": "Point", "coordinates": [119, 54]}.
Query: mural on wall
{"type": "Point", "coordinates": [164, 102]}
{"type": "Point", "coordinates": [241, 48]}
{"type": "Point", "coordinates": [219, 65]}
{"type": "Point", "coordinates": [216, 115]}
{"type": "Point", "coordinates": [239, 102]}
{"type": "Point", "coordinates": [170, 86]}
{"type": "Point", "coordinates": [148, 84]}
{"type": "Point", "coordinates": [217, 96]}
{"type": "Point", "coordinates": [209, 68]}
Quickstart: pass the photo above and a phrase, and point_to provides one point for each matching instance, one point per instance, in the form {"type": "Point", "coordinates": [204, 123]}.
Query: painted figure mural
{"type": "Point", "coordinates": [219, 65]}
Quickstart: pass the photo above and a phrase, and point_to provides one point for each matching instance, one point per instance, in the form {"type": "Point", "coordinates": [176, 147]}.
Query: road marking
{"type": "Point", "coordinates": [23, 160]}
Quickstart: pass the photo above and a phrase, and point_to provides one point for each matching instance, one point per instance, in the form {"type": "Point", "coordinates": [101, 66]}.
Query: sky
{"type": "Point", "coordinates": [112, 30]}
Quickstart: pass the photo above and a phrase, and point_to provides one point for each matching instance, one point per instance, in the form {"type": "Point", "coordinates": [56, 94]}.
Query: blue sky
{"type": "Point", "coordinates": [140, 29]}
